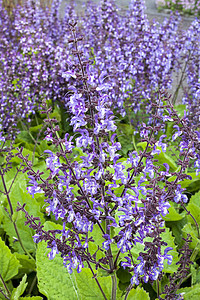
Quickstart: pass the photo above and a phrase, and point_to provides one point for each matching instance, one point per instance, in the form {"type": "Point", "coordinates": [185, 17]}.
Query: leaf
{"type": "Point", "coordinates": [9, 264]}
{"type": "Point", "coordinates": [88, 288]}
{"type": "Point", "coordinates": [23, 137]}
{"type": "Point", "coordinates": [138, 294]}
{"type": "Point", "coordinates": [190, 292]}
{"type": "Point", "coordinates": [195, 212]}
{"type": "Point", "coordinates": [191, 229]}
{"type": "Point", "coordinates": [169, 239]}
{"type": "Point", "coordinates": [180, 108]}
{"type": "Point", "coordinates": [195, 199]}
{"type": "Point", "coordinates": [17, 160]}
{"type": "Point", "coordinates": [19, 193]}
{"type": "Point", "coordinates": [125, 137]}
{"type": "Point", "coordinates": [27, 265]}
{"type": "Point", "coordinates": [54, 281]}
{"type": "Point", "coordinates": [173, 215]}
{"type": "Point", "coordinates": [20, 289]}
{"type": "Point", "coordinates": [165, 158]}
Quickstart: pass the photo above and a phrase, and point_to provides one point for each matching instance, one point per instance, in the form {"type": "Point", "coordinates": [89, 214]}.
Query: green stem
{"type": "Point", "coordinates": [5, 286]}
{"type": "Point", "coordinates": [11, 214]}
{"type": "Point", "coordinates": [114, 286]}
{"type": "Point", "coordinates": [32, 285]}
{"type": "Point", "coordinates": [128, 291]}
{"type": "Point", "coordinates": [97, 281]}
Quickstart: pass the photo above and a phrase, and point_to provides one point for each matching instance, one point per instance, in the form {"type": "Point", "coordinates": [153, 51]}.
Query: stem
{"type": "Point", "coordinates": [128, 291]}
{"type": "Point", "coordinates": [4, 294]}
{"type": "Point", "coordinates": [158, 287]}
{"type": "Point", "coordinates": [189, 213]}
{"type": "Point", "coordinates": [32, 285]}
{"type": "Point", "coordinates": [5, 286]}
{"type": "Point", "coordinates": [114, 286]}
{"type": "Point", "coordinates": [180, 82]}
{"type": "Point", "coordinates": [11, 214]}
{"type": "Point", "coordinates": [97, 281]}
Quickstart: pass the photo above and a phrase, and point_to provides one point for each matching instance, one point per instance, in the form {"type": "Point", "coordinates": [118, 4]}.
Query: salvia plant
{"type": "Point", "coordinates": [100, 170]}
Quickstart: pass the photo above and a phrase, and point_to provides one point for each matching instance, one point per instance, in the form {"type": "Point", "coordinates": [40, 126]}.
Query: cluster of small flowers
{"type": "Point", "coordinates": [132, 58]}
{"type": "Point", "coordinates": [33, 58]}
{"type": "Point", "coordinates": [191, 6]}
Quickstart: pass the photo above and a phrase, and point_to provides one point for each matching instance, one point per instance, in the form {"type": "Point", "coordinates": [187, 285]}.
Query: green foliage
{"type": "Point", "coordinates": [138, 294]}
{"type": "Point", "coordinates": [64, 287]}
{"type": "Point", "coordinates": [192, 292]}
{"type": "Point", "coordinates": [20, 289]}
{"type": "Point", "coordinates": [19, 194]}
{"type": "Point", "coordinates": [9, 264]}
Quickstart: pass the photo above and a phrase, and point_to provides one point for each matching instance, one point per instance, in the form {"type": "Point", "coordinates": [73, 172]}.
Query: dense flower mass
{"type": "Point", "coordinates": [131, 57]}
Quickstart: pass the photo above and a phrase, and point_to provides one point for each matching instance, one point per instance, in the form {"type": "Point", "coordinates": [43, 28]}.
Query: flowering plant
{"type": "Point", "coordinates": [103, 212]}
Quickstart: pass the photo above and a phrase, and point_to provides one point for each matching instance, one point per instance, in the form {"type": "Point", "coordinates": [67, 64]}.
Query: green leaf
{"type": "Point", "coordinates": [138, 294]}
{"type": "Point", "coordinates": [190, 292]}
{"type": "Point", "coordinates": [173, 215]}
{"type": "Point", "coordinates": [180, 108]}
{"type": "Point", "coordinates": [88, 288]}
{"type": "Point", "coordinates": [9, 264]}
{"type": "Point", "coordinates": [125, 137]}
{"type": "Point", "coordinates": [191, 229]}
{"type": "Point", "coordinates": [27, 265]}
{"type": "Point", "coordinates": [23, 137]}
{"type": "Point", "coordinates": [195, 199]}
{"type": "Point", "coordinates": [169, 239]}
{"type": "Point", "coordinates": [164, 158]}
{"type": "Point", "coordinates": [20, 289]}
{"type": "Point", "coordinates": [19, 194]}
{"type": "Point", "coordinates": [54, 281]}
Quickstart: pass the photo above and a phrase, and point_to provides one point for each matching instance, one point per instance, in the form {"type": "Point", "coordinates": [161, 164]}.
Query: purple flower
{"type": "Point", "coordinates": [34, 188]}
{"type": "Point", "coordinates": [52, 162]}
{"type": "Point", "coordinates": [54, 250]}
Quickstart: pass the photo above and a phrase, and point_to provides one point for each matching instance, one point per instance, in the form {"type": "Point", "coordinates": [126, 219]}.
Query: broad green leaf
{"type": "Point", "coordinates": [165, 158]}
{"type": "Point", "coordinates": [88, 288]}
{"type": "Point", "coordinates": [123, 275]}
{"type": "Point", "coordinates": [27, 265]}
{"type": "Point", "coordinates": [24, 137]}
{"type": "Point", "coordinates": [54, 281]}
{"type": "Point", "coordinates": [9, 264]}
{"type": "Point", "coordinates": [36, 128]}
{"type": "Point", "coordinates": [176, 228]}
{"type": "Point", "coordinates": [195, 212]}
{"type": "Point", "coordinates": [190, 293]}
{"type": "Point", "coordinates": [138, 294]}
{"type": "Point", "coordinates": [19, 194]}
{"type": "Point", "coordinates": [173, 215]}
{"type": "Point", "coordinates": [20, 289]}
{"type": "Point", "coordinates": [195, 199]}
{"type": "Point", "coordinates": [162, 157]}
